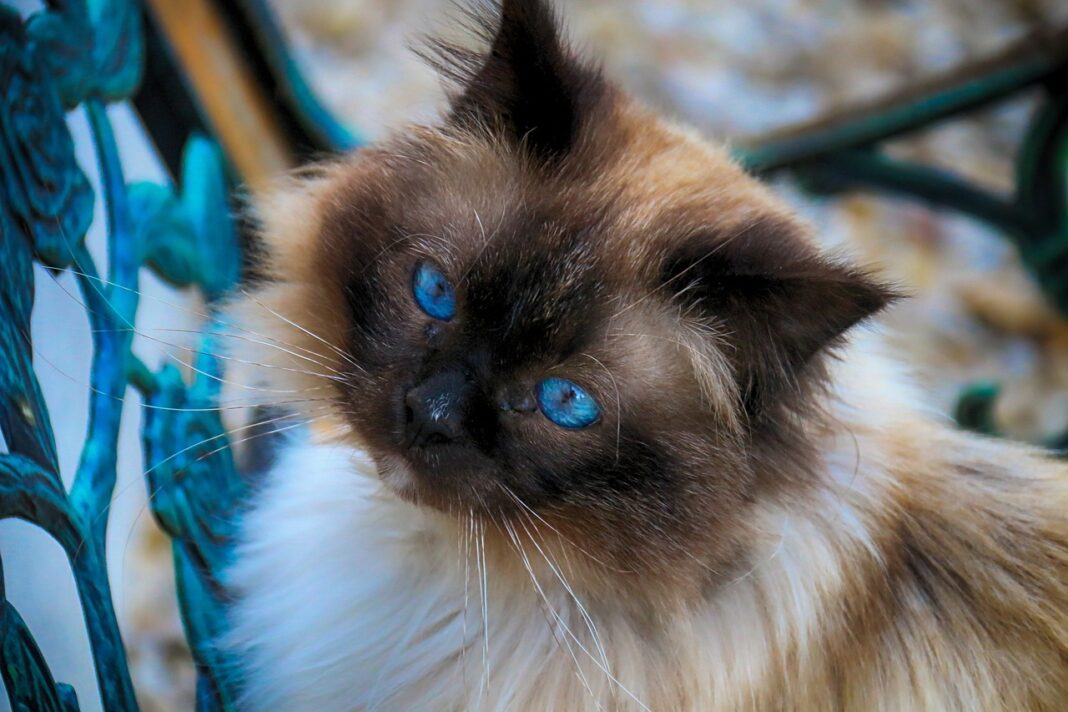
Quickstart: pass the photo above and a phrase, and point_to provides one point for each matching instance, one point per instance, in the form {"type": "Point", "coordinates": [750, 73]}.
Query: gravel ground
{"type": "Point", "coordinates": [737, 69]}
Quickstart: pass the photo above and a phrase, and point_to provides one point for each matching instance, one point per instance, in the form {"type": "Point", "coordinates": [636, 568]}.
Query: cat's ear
{"type": "Point", "coordinates": [529, 85]}
{"type": "Point", "coordinates": [778, 301]}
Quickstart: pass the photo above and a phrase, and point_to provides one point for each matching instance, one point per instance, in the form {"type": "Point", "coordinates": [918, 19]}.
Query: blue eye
{"type": "Point", "coordinates": [432, 292]}
{"type": "Point", "coordinates": [566, 404]}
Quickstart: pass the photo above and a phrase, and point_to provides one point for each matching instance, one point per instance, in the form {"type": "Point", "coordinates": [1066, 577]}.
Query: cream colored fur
{"type": "Point", "coordinates": [352, 599]}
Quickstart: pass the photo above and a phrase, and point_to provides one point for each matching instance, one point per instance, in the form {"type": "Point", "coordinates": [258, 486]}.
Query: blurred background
{"type": "Point", "coordinates": [734, 70]}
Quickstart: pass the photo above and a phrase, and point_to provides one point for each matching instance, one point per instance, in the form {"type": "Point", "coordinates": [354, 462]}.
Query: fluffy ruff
{"type": "Point", "coordinates": [925, 571]}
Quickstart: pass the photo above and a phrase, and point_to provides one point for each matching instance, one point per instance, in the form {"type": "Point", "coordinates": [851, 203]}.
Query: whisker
{"type": "Point", "coordinates": [467, 579]}
{"type": "Point", "coordinates": [515, 498]}
{"type": "Point", "coordinates": [315, 336]}
{"type": "Point", "coordinates": [245, 386]}
{"type": "Point", "coordinates": [654, 292]}
{"type": "Point", "coordinates": [131, 328]}
{"type": "Point", "coordinates": [550, 611]}
{"type": "Point", "coordinates": [765, 562]}
{"type": "Point", "coordinates": [204, 315]}
{"type": "Point", "coordinates": [222, 406]}
{"type": "Point", "coordinates": [156, 491]}
{"type": "Point", "coordinates": [587, 618]}
{"type": "Point", "coordinates": [481, 251]}
{"type": "Point", "coordinates": [335, 378]}
{"type": "Point", "coordinates": [122, 490]}
{"type": "Point", "coordinates": [583, 612]}
{"type": "Point", "coordinates": [480, 554]}
{"type": "Point", "coordinates": [255, 436]}
{"type": "Point", "coordinates": [239, 337]}
{"type": "Point", "coordinates": [249, 426]}
{"type": "Point", "coordinates": [567, 587]}
{"type": "Point", "coordinates": [403, 238]}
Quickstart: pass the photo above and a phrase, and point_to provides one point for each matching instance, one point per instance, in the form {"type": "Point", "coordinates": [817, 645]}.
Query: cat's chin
{"type": "Point", "coordinates": [403, 480]}
{"type": "Point", "coordinates": [398, 476]}
{"type": "Point", "coordinates": [448, 492]}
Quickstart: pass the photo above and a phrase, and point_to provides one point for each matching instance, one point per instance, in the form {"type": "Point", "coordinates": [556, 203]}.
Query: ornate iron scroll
{"type": "Point", "coordinates": [78, 53]}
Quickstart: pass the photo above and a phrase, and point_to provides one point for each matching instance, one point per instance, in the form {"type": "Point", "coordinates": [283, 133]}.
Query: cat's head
{"type": "Point", "coordinates": [557, 306]}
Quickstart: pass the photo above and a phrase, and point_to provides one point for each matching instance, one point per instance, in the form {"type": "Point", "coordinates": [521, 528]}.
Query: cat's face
{"type": "Point", "coordinates": [560, 308]}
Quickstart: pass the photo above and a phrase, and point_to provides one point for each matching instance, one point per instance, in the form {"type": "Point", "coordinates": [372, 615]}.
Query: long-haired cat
{"type": "Point", "coordinates": [594, 426]}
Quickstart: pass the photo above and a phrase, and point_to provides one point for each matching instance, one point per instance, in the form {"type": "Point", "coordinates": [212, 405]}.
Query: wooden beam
{"type": "Point", "coordinates": [241, 115]}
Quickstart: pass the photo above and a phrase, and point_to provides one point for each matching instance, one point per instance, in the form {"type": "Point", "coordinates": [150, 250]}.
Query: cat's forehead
{"type": "Point", "coordinates": [633, 179]}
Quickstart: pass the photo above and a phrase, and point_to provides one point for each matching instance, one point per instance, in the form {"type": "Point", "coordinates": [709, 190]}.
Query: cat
{"type": "Point", "coordinates": [594, 423]}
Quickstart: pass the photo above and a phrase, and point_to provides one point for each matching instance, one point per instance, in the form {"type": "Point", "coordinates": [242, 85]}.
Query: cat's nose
{"type": "Point", "coordinates": [435, 409]}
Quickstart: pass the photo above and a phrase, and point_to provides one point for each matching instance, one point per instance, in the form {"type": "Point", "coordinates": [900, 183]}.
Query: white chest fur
{"type": "Point", "coordinates": [352, 600]}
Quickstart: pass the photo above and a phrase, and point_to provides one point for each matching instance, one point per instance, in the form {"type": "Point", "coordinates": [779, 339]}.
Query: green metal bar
{"type": "Point", "coordinates": [867, 169]}
{"type": "Point", "coordinates": [1042, 164]}
{"type": "Point", "coordinates": [321, 128]}
{"type": "Point", "coordinates": [1023, 66]}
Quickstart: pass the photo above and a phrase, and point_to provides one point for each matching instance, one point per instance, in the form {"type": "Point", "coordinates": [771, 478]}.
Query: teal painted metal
{"type": "Point", "coordinates": [86, 54]}
{"type": "Point", "coordinates": [323, 130]}
{"type": "Point", "coordinates": [196, 488]}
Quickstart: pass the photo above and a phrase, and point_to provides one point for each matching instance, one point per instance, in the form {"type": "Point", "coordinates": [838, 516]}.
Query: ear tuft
{"type": "Point", "coordinates": [781, 303]}
{"type": "Point", "coordinates": [530, 84]}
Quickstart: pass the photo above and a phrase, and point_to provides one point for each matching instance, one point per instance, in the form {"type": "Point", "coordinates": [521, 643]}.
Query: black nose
{"type": "Point", "coordinates": [435, 409]}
